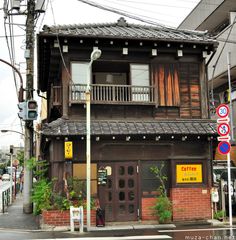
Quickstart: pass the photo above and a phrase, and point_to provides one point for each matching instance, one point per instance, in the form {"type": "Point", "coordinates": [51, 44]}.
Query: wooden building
{"type": "Point", "coordinates": [149, 106]}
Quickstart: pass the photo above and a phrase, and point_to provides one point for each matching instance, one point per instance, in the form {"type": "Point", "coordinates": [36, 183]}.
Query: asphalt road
{"type": "Point", "coordinates": [177, 234]}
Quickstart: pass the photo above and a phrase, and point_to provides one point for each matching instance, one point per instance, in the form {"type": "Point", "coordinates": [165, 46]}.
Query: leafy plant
{"type": "Point", "coordinates": [163, 206]}
{"type": "Point", "coordinates": [41, 196]}
{"type": "Point", "coordinates": [219, 214]}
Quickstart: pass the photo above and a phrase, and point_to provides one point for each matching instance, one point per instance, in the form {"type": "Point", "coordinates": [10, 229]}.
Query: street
{"type": "Point", "coordinates": [177, 234]}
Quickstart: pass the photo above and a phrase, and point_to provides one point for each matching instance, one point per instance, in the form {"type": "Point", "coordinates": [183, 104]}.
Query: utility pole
{"type": "Point", "coordinates": [29, 128]}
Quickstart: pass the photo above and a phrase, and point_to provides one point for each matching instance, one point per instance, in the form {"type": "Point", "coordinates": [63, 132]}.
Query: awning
{"type": "Point", "coordinates": [63, 127]}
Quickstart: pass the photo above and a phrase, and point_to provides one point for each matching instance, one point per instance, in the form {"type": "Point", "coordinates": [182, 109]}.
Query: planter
{"type": "Point", "coordinates": [61, 218]}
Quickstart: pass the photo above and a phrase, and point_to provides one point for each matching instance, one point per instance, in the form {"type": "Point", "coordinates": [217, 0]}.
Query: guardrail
{"type": "Point", "coordinates": [5, 198]}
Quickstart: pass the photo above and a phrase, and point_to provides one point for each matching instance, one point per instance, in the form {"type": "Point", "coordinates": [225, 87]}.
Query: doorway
{"type": "Point", "coordinates": [119, 196]}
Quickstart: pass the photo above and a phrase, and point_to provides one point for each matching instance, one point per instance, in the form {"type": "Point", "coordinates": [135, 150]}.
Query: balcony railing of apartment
{"type": "Point", "coordinates": [113, 94]}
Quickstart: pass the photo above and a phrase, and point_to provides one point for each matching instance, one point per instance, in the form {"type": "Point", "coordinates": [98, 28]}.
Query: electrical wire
{"type": "Point", "coordinates": [141, 9]}
{"type": "Point", "coordinates": [151, 4]}
{"type": "Point", "coordinates": [122, 12]}
{"type": "Point", "coordinates": [57, 34]}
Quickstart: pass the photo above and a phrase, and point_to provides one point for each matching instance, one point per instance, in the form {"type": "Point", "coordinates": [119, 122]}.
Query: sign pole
{"type": "Point", "coordinates": [229, 190]}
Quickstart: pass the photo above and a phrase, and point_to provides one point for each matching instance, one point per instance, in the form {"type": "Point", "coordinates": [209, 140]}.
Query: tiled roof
{"type": "Point", "coordinates": [62, 127]}
{"type": "Point", "coordinates": [124, 30]}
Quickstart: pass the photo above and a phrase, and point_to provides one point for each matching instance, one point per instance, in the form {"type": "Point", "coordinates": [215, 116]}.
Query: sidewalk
{"type": "Point", "coordinates": [14, 218]}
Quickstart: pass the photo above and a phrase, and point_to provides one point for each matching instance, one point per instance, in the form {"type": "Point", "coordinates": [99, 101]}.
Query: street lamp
{"type": "Point", "coordinates": [96, 53]}
{"type": "Point", "coordinates": [6, 130]}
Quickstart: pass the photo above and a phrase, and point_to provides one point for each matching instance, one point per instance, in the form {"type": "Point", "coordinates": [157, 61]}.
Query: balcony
{"type": "Point", "coordinates": [113, 94]}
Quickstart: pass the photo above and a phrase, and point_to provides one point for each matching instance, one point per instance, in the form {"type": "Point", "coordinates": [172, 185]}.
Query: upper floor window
{"type": "Point", "coordinates": [79, 72]}
{"type": "Point", "coordinates": [140, 81]}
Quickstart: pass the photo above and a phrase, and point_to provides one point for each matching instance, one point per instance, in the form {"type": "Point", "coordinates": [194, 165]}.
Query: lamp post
{"type": "Point", "coordinates": [96, 53]}
{"type": "Point", "coordinates": [6, 130]}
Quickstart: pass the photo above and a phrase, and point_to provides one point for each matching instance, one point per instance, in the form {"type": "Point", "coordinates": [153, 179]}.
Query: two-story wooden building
{"type": "Point", "coordinates": [149, 106]}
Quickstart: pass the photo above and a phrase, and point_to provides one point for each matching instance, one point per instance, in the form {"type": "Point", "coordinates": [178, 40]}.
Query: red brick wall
{"type": "Point", "coordinates": [62, 218]}
{"type": "Point", "coordinates": [147, 212]}
{"type": "Point", "coordinates": [191, 203]}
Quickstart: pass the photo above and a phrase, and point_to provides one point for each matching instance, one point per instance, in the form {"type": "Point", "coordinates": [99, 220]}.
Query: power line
{"type": "Point", "coordinates": [121, 12]}
{"type": "Point", "coordinates": [154, 4]}
{"type": "Point", "coordinates": [141, 9]}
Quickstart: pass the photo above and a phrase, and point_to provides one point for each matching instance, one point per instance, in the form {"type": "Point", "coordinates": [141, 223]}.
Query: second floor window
{"type": "Point", "coordinates": [140, 81]}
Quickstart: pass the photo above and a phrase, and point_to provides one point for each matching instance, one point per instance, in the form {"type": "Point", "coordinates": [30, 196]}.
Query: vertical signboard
{"type": "Point", "coordinates": [68, 150]}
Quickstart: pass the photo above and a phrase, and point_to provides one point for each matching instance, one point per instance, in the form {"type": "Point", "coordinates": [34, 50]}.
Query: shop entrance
{"type": "Point", "coordinates": [119, 196]}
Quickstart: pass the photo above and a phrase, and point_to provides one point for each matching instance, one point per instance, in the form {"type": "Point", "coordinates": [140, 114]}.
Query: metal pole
{"type": "Point", "coordinates": [96, 53]}
{"type": "Point", "coordinates": [29, 55]}
{"type": "Point", "coordinates": [88, 145]}
{"type": "Point", "coordinates": [230, 98]}
{"type": "Point", "coordinates": [11, 179]}
{"type": "Point", "coordinates": [228, 154]}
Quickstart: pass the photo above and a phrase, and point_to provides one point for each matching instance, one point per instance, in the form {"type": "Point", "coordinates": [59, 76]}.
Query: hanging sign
{"type": "Point", "coordinates": [68, 150]}
{"type": "Point", "coordinates": [189, 173]}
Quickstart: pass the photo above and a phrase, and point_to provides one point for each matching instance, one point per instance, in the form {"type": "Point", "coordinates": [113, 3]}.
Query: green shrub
{"type": "Point", "coordinates": [41, 195]}
{"type": "Point", "coordinates": [163, 209]}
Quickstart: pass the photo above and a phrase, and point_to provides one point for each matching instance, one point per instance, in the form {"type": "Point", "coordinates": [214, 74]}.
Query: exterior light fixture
{"type": "Point", "coordinates": [180, 53]}
{"type": "Point", "coordinates": [154, 52]}
{"type": "Point", "coordinates": [125, 51]}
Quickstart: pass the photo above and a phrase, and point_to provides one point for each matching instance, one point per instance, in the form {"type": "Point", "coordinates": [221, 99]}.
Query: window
{"type": "Point", "coordinates": [79, 172]}
{"type": "Point", "coordinates": [79, 72]}
{"type": "Point", "coordinates": [150, 183]}
{"type": "Point", "coordinates": [79, 78]}
{"type": "Point", "coordinates": [140, 82]}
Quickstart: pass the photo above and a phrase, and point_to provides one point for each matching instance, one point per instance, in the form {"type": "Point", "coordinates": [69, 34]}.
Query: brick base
{"type": "Point", "coordinates": [56, 218]}
{"type": "Point", "coordinates": [191, 204]}
{"type": "Point", "coordinates": [147, 212]}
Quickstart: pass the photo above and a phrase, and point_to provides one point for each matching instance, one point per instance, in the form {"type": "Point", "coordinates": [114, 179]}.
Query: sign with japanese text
{"type": "Point", "coordinates": [189, 173]}
{"type": "Point", "coordinates": [68, 150]}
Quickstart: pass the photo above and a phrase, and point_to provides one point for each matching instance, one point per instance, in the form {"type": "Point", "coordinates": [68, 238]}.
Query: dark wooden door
{"type": "Point", "coordinates": [119, 197]}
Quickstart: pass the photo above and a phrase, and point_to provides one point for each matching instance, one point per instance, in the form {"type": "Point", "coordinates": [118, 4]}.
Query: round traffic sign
{"type": "Point", "coordinates": [224, 147]}
{"type": "Point", "coordinates": [223, 129]}
{"type": "Point", "coordinates": [222, 110]}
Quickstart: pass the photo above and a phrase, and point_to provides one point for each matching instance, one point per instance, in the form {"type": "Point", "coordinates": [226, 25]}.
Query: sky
{"type": "Point", "coordinates": [165, 12]}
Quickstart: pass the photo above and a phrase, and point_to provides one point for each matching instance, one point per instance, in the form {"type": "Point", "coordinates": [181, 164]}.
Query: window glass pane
{"type": "Point", "coordinates": [140, 79]}
{"type": "Point", "coordinates": [121, 183]}
{"type": "Point", "coordinates": [131, 208]}
{"type": "Point", "coordinates": [131, 195]}
{"type": "Point", "coordinates": [139, 74]}
{"type": "Point", "coordinates": [130, 170]}
{"type": "Point", "coordinates": [121, 170]}
{"type": "Point", "coordinates": [131, 183]}
{"type": "Point", "coordinates": [79, 72]}
{"type": "Point", "coordinates": [122, 196]}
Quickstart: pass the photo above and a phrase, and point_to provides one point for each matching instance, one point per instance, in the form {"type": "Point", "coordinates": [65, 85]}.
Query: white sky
{"type": "Point", "coordinates": [166, 12]}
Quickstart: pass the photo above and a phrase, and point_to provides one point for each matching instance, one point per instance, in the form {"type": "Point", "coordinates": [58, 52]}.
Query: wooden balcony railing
{"type": "Point", "coordinates": [113, 94]}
